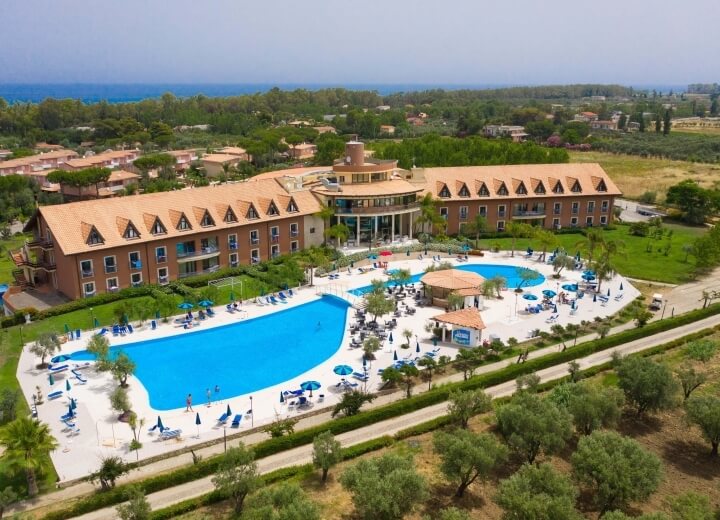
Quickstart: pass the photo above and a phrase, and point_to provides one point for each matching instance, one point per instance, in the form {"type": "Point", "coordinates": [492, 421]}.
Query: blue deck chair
{"type": "Point", "coordinates": [361, 377]}
{"type": "Point", "coordinates": [80, 378]}
{"type": "Point", "coordinates": [130, 328]}
{"type": "Point", "coordinates": [77, 333]}
{"type": "Point", "coordinates": [223, 418]}
{"type": "Point", "coordinates": [273, 300]}
{"type": "Point", "coordinates": [102, 332]}
{"type": "Point", "coordinates": [153, 325]}
{"type": "Point", "coordinates": [55, 395]}
{"type": "Point", "coordinates": [115, 330]}
{"type": "Point", "coordinates": [282, 295]}
{"type": "Point", "coordinates": [236, 421]}
{"type": "Point", "coordinates": [290, 291]}
{"type": "Point", "coordinates": [210, 312]}
{"type": "Point", "coordinates": [170, 434]}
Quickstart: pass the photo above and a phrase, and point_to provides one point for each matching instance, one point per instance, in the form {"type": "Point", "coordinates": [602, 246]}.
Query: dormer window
{"type": "Point", "coordinates": [131, 232]}
{"type": "Point", "coordinates": [230, 216]}
{"type": "Point", "coordinates": [601, 186]}
{"type": "Point", "coordinates": [521, 189]}
{"type": "Point", "coordinates": [483, 191]}
{"type": "Point", "coordinates": [444, 192]}
{"type": "Point", "coordinates": [158, 228]}
{"type": "Point", "coordinates": [576, 187]}
{"type": "Point", "coordinates": [183, 223]}
{"type": "Point", "coordinates": [94, 238]}
{"type": "Point", "coordinates": [207, 220]}
{"type": "Point", "coordinates": [252, 213]}
{"type": "Point", "coordinates": [502, 190]}
{"type": "Point", "coordinates": [540, 189]}
{"type": "Point", "coordinates": [292, 207]}
{"type": "Point", "coordinates": [464, 191]}
{"type": "Point", "coordinates": [272, 210]}
{"type": "Point", "coordinates": [558, 188]}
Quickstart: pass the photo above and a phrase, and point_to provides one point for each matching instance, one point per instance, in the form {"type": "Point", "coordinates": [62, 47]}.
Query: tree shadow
{"type": "Point", "coordinates": [691, 457]}
{"type": "Point", "coordinates": [636, 426]}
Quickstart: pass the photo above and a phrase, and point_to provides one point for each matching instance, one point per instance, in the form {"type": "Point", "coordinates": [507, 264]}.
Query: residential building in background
{"type": "Point", "coordinates": [37, 163]}
{"type": "Point", "coordinates": [514, 132]}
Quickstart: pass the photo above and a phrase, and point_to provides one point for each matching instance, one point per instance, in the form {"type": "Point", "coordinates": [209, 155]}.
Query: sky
{"type": "Point", "coordinates": [632, 42]}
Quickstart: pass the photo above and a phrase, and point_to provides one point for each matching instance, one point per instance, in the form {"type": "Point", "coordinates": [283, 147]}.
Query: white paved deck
{"type": "Point", "coordinates": [101, 434]}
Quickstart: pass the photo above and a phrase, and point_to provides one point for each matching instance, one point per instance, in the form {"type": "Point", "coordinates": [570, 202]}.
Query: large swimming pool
{"type": "Point", "coordinates": [509, 272]}
{"type": "Point", "coordinates": [241, 357]}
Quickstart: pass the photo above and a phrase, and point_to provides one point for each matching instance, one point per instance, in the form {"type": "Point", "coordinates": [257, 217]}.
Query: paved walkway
{"type": "Point", "coordinates": [302, 455]}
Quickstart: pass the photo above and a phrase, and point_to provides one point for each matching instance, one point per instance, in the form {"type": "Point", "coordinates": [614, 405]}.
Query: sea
{"type": "Point", "coordinates": [124, 93]}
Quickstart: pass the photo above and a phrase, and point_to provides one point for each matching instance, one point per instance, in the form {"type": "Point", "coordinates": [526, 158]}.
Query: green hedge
{"type": "Point", "coordinates": [376, 415]}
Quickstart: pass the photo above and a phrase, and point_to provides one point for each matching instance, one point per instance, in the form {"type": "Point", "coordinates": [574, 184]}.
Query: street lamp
{"type": "Point", "coordinates": [252, 417]}
{"type": "Point", "coordinates": [92, 319]}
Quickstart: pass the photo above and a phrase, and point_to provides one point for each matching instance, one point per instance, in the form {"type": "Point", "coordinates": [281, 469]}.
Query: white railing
{"type": "Point", "coordinates": [341, 291]}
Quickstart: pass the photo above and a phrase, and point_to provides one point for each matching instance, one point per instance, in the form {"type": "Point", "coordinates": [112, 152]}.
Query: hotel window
{"type": "Point", "coordinates": [89, 289]}
{"type": "Point", "coordinates": [556, 223]}
{"type": "Point", "coordinates": [252, 213]}
{"type": "Point", "coordinates": [207, 220]}
{"type": "Point", "coordinates": [501, 210]}
{"type": "Point", "coordinates": [464, 191]}
{"type": "Point", "coordinates": [183, 224]}
{"type": "Point", "coordinates": [521, 189]}
{"type": "Point", "coordinates": [294, 246]}
{"type": "Point", "coordinates": [254, 237]}
{"type": "Point", "coordinates": [540, 189]}
{"type": "Point", "coordinates": [292, 207]}
{"type": "Point", "coordinates": [136, 279]}
{"type": "Point", "coordinates": [135, 262]}
{"type": "Point", "coordinates": [444, 213]}
{"type": "Point", "coordinates": [588, 221]}
{"type": "Point", "coordinates": [131, 232]}
{"type": "Point", "coordinates": [230, 216]}
{"type": "Point", "coordinates": [86, 268]}
{"type": "Point", "coordinates": [573, 221]}
{"type": "Point", "coordinates": [274, 233]}
{"type": "Point", "coordinates": [272, 210]}
{"type": "Point", "coordinates": [232, 242]}
{"type": "Point", "coordinates": [163, 275]}
{"type": "Point", "coordinates": [604, 205]}
{"type": "Point", "coordinates": [576, 187]}
{"type": "Point", "coordinates": [558, 188]}
{"type": "Point", "coordinates": [557, 207]}
{"type": "Point", "coordinates": [482, 211]}
{"type": "Point", "coordinates": [483, 191]}
{"type": "Point", "coordinates": [501, 225]}
{"type": "Point", "coordinates": [575, 207]}
{"type": "Point", "coordinates": [110, 264]}
{"type": "Point", "coordinates": [160, 254]}
{"type": "Point", "coordinates": [254, 256]}
{"type": "Point", "coordinates": [294, 229]}
{"type": "Point", "coordinates": [274, 251]}
{"type": "Point", "coordinates": [112, 284]}
{"type": "Point", "coordinates": [601, 186]}
{"type": "Point", "coordinates": [444, 192]}
{"type": "Point", "coordinates": [158, 228]}
{"type": "Point", "coordinates": [591, 206]}
{"type": "Point", "coordinates": [463, 212]}
{"type": "Point", "coordinates": [233, 258]}
{"type": "Point", "coordinates": [94, 238]}
{"type": "Point", "coordinates": [603, 220]}
{"type": "Point", "coordinates": [502, 190]}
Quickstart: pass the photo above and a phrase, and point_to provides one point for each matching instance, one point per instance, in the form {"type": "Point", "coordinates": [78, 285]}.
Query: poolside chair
{"type": "Point", "coordinates": [55, 394]}
{"type": "Point", "coordinates": [361, 377]}
{"type": "Point", "coordinates": [236, 421]}
{"type": "Point", "coordinates": [153, 325]}
{"type": "Point", "coordinates": [102, 332]}
{"type": "Point", "coordinates": [116, 330]}
{"type": "Point", "coordinates": [77, 333]}
{"type": "Point", "coordinates": [210, 312]}
{"type": "Point", "coordinates": [291, 293]}
{"type": "Point", "coordinates": [67, 417]}
{"type": "Point", "coordinates": [282, 296]}
{"type": "Point", "coordinates": [56, 369]}
{"type": "Point", "coordinates": [619, 296]}
{"type": "Point", "coordinates": [170, 434]}
{"type": "Point", "coordinates": [68, 424]}
{"type": "Point", "coordinates": [80, 379]}
{"type": "Point", "coordinates": [230, 308]}
{"type": "Point", "coordinates": [273, 300]}
{"type": "Point", "coordinates": [552, 319]}
{"type": "Point", "coordinates": [223, 418]}
{"type": "Point", "coordinates": [321, 398]}
{"type": "Point", "coordinates": [130, 328]}
{"type": "Point", "coordinates": [302, 401]}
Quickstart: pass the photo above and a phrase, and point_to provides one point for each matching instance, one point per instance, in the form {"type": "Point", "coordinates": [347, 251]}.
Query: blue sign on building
{"type": "Point", "coordinates": [461, 336]}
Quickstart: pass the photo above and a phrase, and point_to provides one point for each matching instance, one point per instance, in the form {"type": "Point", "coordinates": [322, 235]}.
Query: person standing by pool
{"type": "Point", "coordinates": [188, 403]}
{"type": "Point", "coordinates": [209, 396]}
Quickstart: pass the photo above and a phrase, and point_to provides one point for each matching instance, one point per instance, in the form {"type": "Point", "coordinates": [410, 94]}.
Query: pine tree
{"type": "Point", "coordinates": [641, 120]}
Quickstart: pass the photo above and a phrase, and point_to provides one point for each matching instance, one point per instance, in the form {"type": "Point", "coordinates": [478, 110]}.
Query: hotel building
{"type": "Point", "coordinates": [85, 248]}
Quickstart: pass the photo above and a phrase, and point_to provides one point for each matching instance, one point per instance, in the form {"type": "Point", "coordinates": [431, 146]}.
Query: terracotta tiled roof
{"type": "Point", "coordinates": [452, 279]}
{"type": "Point", "coordinates": [220, 158]}
{"type": "Point", "coordinates": [122, 175]}
{"type": "Point", "coordinates": [71, 223]}
{"type": "Point", "coordinates": [588, 175]}
{"type": "Point", "coordinates": [463, 318]}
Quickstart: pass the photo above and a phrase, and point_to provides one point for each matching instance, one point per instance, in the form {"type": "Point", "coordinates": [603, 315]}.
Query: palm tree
{"type": "Point", "coordinates": [517, 230]}
{"type": "Point", "coordinates": [429, 216]}
{"type": "Point", "coordinates": [326, 214]}
{"type": "Point", "coordinates": [593, 239]}
{"type": "Point", "coordinates": [546, 239]}
{"type": "Point", "coordinates": [339, 232]}
{"type": "Point", "coordinates": [26, 442]}
{"type": "Point", "coordinates": [478, 226]}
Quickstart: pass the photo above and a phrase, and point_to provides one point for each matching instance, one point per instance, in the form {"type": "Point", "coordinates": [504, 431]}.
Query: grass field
{"type": "Point", "coordinates": [635, 175]}
{"type": "Point", "coordinates": [6, 265]}
{"type": "Point", "coordinates": [637, 262]}
{"type": "Point", "coordinates": [708, 130]}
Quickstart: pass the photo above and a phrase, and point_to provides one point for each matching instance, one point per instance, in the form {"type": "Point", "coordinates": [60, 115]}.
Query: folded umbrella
{"type": "Point", "coordinates": [417, 347]}
{"type": "Point", "coordinates": [395, 358]}
{"type": "Point", "coordinates": [67, 385]}
{"type": "Point", "coordinates": [51, 379]}
{"type": "Point", "coordinates": [621, 286]}
{"type": "Point", "coordinates": [198, 423]}
{"type": "Point", "coordinates": [282, 397]}
{"type": "Point", "coordinates": [160, 424]}
{"type": "Point", "coordinates": [228, 412]}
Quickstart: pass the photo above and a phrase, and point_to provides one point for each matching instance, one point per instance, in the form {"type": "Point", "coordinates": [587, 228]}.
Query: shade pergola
{"type": "Point", "coordinates": [442, 283]}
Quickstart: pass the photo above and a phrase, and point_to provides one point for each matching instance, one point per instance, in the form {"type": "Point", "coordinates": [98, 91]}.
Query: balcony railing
{"type": "Point", "coordinates": [603, 209]}
{"type": "Point", "coordinates": [135, 264]}
{"type": "Point", "coordinates": [185, 275]}
{"type": "Point", "coordinates": [254, 260]}
{"type": "Point", "coordinates": [110, 269]}
{"type": "Point", "coordinates": [501, 213]}
{"type": "Point", "coordinates": [87, 274]}
{"type": "Point", "coordinates": [274, 239]}
{"type": "Point", "coordinates": [160, 259]}
{"type": "Point", "coordinates": [591, 209]}
{"type": "Point", "coordinates": [294, 233]}
{"type": "Point", "coordinates": [556, 211]}
{"type": "Point", "coordinates": [136, 284]}
{"type": "Point", "coordinates": [528, 213]}
{"type": "Point", "coordinates": [41, 243]}
{"type": "Point", "coordinates": [232, 246]}
{"type": "Point", "coordinates": [163, 280]}
{"type": "Point", "coordinates": [254, 241]}
{"type": "Point", "coordinates": [209, 250]}
{"type": "Point", "coordinates": [374, 210]}
{"type": "Point", "coordinates": [234, 263]}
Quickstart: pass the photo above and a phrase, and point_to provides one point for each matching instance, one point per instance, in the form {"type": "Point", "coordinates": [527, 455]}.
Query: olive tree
{"type": "Point", "coordinates": [593, 406]}
{"type": "Point", "coordinates": [704, 412]}
{"type": "Point", "coordinates": [237, 475]}
{"type": "Point", "coordinates": [326, 452]}
{"type": "Point", "coordinates": [46, 345]}
{"type": "Point", "coordinates": [689, 379]}
{"type": "Point", "coordinates": [690, 506]}
{"type": "Point", "coordinates": [647, 385]}
{"type": "Point", "coordinates": [286, 501]}
{"type": "Point", "coordinates": [137, 507]}
{"type": "Point", "coordinates": [616, 469]}
{"type": "Point", "coordinates": [462, 405]}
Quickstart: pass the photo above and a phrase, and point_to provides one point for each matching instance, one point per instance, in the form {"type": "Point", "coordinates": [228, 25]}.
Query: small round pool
{"type": "Point", "coordinates": [511, 273]}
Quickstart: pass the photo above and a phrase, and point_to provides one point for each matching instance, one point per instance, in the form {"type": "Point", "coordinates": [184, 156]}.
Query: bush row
{"type": "Point", "coordinates": [389, 411]}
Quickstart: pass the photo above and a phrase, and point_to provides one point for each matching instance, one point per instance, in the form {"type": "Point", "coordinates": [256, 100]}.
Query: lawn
{"type": "Point", "coordinates": [635, 175]}
{"type": "Point", "coordinates": [6, 265]}
{"type": "Point", "coordinates": [637, 262]}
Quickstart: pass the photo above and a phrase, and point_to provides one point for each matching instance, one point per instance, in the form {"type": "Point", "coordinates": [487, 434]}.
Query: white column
{"type": "Point", "coordinates": [357, 234]}
{"type": "Point", "coordinates": [375, 218]}
{"type": "Point", "coordinates": [400, 225]}
{"type": "Point", "coordinates": [410, 225]}
{"type": "Point", "coordinates": [392, 228]}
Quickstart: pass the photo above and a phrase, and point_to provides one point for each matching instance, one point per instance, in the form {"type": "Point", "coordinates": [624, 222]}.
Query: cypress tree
{"type": "Point", "coordinates": [666, 123]}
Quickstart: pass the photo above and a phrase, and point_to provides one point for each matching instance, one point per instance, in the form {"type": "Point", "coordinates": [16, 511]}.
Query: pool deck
{"type": "Point", "coordinates": [100, 434]}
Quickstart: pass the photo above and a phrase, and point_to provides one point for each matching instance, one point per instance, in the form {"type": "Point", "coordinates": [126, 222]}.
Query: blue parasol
{"type": "Point", "coordinates": [529, 296]}
{"type": "Point", "coordinates": [96, 322]}
{"type": "Point", "coordinates": [608, 291]}
{"type": "Point", "coordinates": [67, 329]}
{"type": "Point", "coordinates": [574, 305]}
{"type": "Point", "coordinates": [67, 385]}
{"type": "Point", "coordinates": [364, 362]}
{"type": "Point", "coordinates": [529, 250]}
{"type": "Point", "coordinates": [51, 379]}
{"type": "Point", "coordinates": [186, 306]}
{"type": "Point", "coordinates": [372, 257]}
{"type": "Point", "coordinates": [570, 287]}
{"type": "Point", "coordinates": [555, 309]}
{"type": "Point", "coordinates": [588, 277]}
{"type": "Point", "coordinates": [390, 338]}
{"type": "Point", "coordinates": [205, 303]}
{"type": "Point", "coordinates": [282, 397]}
{"type": "Point", "coordinates": [465, 247]}
{"type": "Point", "coordinates": [71, 410]}
{"type": "Point", "coordinates": [343, 370]}
{"type": "Point", "coordinates": [157, 315]}
{"type": "Point", "coordinates": [621, 286]}
{"type": "Point", "coordinates": [549, 293]}
{"type": "Point", "coordinates": [160, 424]}
{"type": "Point", "coordinates": [61, 357]}
{"type": "Point", "coordinates": [577, 256]}
{"type": "Point", "coordinates": [594, 298]}
{"type": "Point", "coordinates": [395, 358]}
{"type": "Point", "coordinates": [232, 295]}
{"type": "Point", "coordinates": [310, 386]}
{"type": "Point", "coordinates": [228, 412]}
{"type": "Point", "coordinates": [417, 347]}
{"type": "Point", "coordinates": [197, 419]}
{"type": "Point", "coordinates": [73, 403]}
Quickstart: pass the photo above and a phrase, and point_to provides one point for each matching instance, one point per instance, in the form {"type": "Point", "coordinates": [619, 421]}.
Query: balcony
{"type": "Point", "coordinates": [202, 254]}
{"type": "Point", "coordinates": [234, 264]}
{"type": "Point", "coordinates": [575, 211]}
{"type": "Point", "coordinates": [254, 260]}
{"type": "Point", "coordinates": [232, 246]}
{"type": "Point", "coordinates": [163, 280]}
{"type": "Point", "coordinates": [87, 274]}
{"type": "Point", "coordinates": [109, 269]}
{"type": "Point", "coordinates": [161, 259]}
{"type": "Point", "coordinates": [135, 264]}
{"type": "Point", "coordinates": [294, 234]}
{"type": "Point", "coordinates": [186, 275]}
{"type": "Point", "coordinates": [136, 284]}
{"type": "Point", "coordinates": [41, 243]}
{"type": "Point", "coordinates": [254, 241]}
{"type": "Point", "coordinates": [377, 210]}
{"type": "Point", "coordinates": [274, 239]}
{"type": "Point", "coordinates": [529, 213]}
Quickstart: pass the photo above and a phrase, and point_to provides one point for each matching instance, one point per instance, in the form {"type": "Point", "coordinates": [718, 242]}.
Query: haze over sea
{"type": "Point", "coordinates": [122, 93]}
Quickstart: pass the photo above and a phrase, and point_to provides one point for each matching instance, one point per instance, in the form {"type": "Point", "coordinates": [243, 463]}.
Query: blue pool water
{"type": "Point", "coordinates": [509, 272]}
{"type": "Point", "coordinates": [241, 357]}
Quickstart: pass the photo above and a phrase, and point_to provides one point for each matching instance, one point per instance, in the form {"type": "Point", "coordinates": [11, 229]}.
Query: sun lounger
{"type": "Point", "coordinates": [56, 369]}
{"type": "Point", "coordinates": [223, 418]}
{"type": "Point", "coordinates": [80, 379]}
{"type": "Point", "coordinates": [236, 421]}
{"type": "Point", "coordinates": [361, 377]}
{"type": "Point", "coordinates": [69, 425]}
{"type": "Point", "coordinates": [210, 312]}
{"type": "Point", "coordinates": [67, 416]}
{"type": "Point", "coordinates": [552, 319]}
{"type": "Point", "coordinates": [102, 332]}
{"type": "Point", "coordinates": [303, 401]}
{"type": "Point", "coordinates": [619, 296]}
{"type": "Point", "coordinates": [55, 394]}
{"type": "Point", "coordinates": [171, 434]}
{"type": "Point", "coordinates": [77, 333]}
{"type": "Point", "coordinates": [130, 328]}
{"type": "Point", "coordinates": [153, 325]}
{"type": "Point", "coordinates": [273, 300]}
{"type": "Point", "coordinates": [291, 293]}
{"type": "Point", "coordinates": [282, 296]}
{"type": "Point", "coordinates": [270, 301]}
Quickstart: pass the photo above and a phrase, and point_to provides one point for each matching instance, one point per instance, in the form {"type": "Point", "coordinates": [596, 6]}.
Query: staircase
{"type": "Point", "coordinates": [20, 279]}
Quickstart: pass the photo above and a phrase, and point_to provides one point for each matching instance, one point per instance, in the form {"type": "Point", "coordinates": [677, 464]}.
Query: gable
{"type": "Point", "coordinates": [463, 191]}
{"type": "Point", "coordinates": [443, 190]}
{"type": "Point", "coordinates": [91, 235]}
{"type": "Point", "coordinates": [272, 209]}
{"type": "Point", "coordinates": [252, 213]}
{"type": "Point", "coordinates": [292, 206]}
